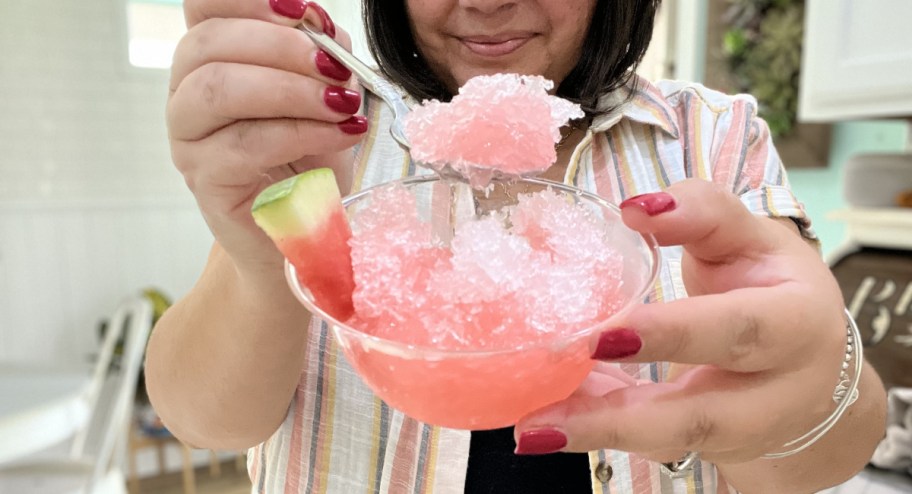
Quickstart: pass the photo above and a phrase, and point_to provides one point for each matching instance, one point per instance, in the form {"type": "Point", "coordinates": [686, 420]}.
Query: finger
{"type": "Point", "coordinates": [666, 455]}
{"type": "Point", "coordinates": [711, 223]}
{"type": "Point", "coordinates": [218, 94]}
{"type": "Point", "coordinates": [246, 149]}
{"type": "Point", "coordinates": [245, 41]}
{"type": "Point", "coordinates": [603, 379]}
{"type": "Point", "coordinates": [707, 410]}
{"type": "Point", "coordinates": [285, 12]}
{"type": "Point", "coordinates": [745, 330]}
{"type": "Point", "coordinates": [675, 370]}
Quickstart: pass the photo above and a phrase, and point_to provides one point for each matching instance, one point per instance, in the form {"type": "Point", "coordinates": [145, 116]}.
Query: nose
{"type": "Point", "coordinates": [488, 6]}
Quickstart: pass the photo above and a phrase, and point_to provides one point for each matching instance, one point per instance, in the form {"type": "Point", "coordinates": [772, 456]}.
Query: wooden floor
{"type": "Point", "coordinates": [230, 481]}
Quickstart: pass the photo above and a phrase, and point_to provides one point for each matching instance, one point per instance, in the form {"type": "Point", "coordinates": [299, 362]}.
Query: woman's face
{"type": "Point", "coordinates": [464, 38]}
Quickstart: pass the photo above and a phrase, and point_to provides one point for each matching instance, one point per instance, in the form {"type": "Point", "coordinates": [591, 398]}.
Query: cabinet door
{"type": "Point", "coordinates": [857, 59]}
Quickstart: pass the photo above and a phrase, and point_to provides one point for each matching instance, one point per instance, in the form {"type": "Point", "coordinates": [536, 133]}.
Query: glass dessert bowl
{"type": "Point", "coordinates": [476, 377]}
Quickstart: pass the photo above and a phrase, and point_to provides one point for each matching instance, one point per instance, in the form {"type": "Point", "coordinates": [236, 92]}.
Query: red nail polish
{"type": "Point", "coordinates": [652, 204]}
{"type": "Point", "coordinates": [342, 100]}
{"type": "Point", "coordinates": [540, 442]}
{"type": "Point", "coordinates": [329, 27]}
{"type": "Point", "coordinates": [617, 344]}
{"type": "Point", "coordinates": [354, 125]}
{"type": "Point", "coordinates": [289, 8]}
{"type": "Point", "coordinates": [330, 67]}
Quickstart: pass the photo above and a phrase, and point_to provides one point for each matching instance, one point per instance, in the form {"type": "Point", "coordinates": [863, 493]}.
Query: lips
{"type": "Point", "coordinates": [495, 46]}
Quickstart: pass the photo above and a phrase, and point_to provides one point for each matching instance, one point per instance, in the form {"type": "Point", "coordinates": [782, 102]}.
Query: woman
{"type": "Point", "coordinates": [753, 320]}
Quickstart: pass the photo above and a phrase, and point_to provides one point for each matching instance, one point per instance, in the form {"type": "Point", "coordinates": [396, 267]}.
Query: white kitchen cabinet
{"type": "Point", "coordinates": [857, 60]}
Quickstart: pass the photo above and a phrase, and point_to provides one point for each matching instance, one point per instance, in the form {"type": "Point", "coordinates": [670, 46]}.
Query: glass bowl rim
{"type": "Point", "coordinates": [398, 347]}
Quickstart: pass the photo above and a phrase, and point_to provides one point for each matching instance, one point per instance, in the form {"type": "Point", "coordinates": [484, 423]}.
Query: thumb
{"type": "Point", "coordinates": [710, 222]}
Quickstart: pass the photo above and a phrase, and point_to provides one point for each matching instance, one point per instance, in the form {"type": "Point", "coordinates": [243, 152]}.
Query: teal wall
{"type": "Point", "coordinates": [820, 189]}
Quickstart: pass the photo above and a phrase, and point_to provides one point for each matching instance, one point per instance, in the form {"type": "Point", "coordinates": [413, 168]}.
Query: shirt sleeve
{"type": "Point", "coordinates": [754, 169]}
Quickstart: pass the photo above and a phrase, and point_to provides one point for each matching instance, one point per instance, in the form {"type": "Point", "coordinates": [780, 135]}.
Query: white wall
{"type": "Point", "coordinates": [91, 208]}
{"type": "Point", "coordinates": [347, 15]}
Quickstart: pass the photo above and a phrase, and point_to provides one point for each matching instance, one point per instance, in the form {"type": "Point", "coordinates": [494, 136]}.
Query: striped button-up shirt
{"type": "Point", "coordinates": [339, 438]}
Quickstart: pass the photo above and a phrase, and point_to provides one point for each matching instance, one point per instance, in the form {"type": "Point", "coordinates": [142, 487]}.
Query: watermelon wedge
{"type": "Point", "coordinates": [304, 216]}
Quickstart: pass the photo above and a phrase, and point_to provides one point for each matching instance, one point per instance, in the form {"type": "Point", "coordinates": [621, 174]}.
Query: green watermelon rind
{"type": "Point", "coordinates": [297, 205]}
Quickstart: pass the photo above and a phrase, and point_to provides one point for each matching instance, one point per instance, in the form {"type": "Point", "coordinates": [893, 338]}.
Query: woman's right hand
{"type": "Point", "coordinates": [252, 101]}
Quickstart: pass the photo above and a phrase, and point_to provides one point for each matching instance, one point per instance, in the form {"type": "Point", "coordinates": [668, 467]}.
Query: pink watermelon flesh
{"type": "Point", "coordinates": [322, 260]}
{"type": "Point", "coordinates": [304, 216]}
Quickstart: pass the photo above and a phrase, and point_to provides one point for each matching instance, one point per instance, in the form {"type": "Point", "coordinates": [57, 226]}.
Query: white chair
{"type": "Point", "coordinates": [95, 462]}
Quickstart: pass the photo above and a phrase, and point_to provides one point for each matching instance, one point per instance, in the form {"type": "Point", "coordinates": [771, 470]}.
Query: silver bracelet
{"type": "Point", "coordinates": [844, 395]}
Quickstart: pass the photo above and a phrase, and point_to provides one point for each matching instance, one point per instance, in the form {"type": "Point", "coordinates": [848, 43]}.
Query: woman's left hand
{"type": "Point", "coordinates": [758, 345]}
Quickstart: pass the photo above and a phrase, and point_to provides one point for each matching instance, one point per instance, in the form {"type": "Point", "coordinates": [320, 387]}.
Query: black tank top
{"type": "Point", "coordinates": [494, 469]}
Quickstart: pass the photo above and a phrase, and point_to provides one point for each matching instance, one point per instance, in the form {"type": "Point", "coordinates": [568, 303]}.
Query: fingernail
{"type": "Point", "coordinates": [330, 67]}
{"type": "Point", "coordinates": [342, 100]}
{"type": "Point", "coordinates": [289, 8]}
{"type": "Point", "coordinates": [329, 27]}
{"type": "Point", "coordinates": [540, 442]}
{"type": "Point", "coordinates": [617, 344]}
{"type": "Point", "coordinates": [652, 204]}
{"type": "Point", "coordinates": [354, 125]}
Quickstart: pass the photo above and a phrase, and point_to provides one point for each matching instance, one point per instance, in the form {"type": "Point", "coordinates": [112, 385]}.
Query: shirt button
{"type": "Point", "coordinates": [604, 472]}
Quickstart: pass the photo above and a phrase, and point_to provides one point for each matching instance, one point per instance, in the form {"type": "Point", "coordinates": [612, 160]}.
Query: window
{"type": "Point", "coordinates": [154, 28]}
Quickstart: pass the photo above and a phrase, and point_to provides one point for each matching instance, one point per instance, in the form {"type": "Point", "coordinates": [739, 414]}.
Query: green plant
{"type": "Point", "coordinates": [762, 45]}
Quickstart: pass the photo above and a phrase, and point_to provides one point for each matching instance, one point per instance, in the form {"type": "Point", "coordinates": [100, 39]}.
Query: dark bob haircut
{"type": "Point", "coordinates": [614, 45]}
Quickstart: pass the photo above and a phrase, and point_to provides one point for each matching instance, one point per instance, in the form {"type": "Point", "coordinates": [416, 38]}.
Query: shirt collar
{"type": "Point", "coordinates": [647, 106]}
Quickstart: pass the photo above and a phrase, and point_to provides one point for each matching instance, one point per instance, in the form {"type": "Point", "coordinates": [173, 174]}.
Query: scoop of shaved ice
{"type": "Point", "coordinates": [541, 268]}
{"type": "Point", "coordinates": [397, 254]}
{"type": "Point", "coordinates": [497, 125]}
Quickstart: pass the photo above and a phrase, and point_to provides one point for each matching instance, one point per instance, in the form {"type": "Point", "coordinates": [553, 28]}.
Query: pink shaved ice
{"type": "Point", "coordinates": [503, 124]}
{"type": "Point", "coordinates": [541, 268]}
